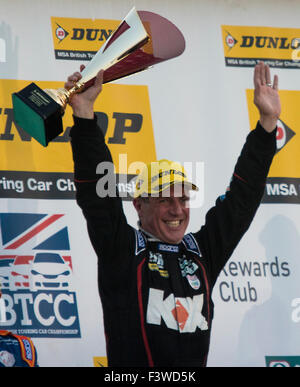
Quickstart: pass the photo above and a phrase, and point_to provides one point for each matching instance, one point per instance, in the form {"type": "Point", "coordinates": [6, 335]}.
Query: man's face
{"type": "Point", "coordinates": [165, 217]}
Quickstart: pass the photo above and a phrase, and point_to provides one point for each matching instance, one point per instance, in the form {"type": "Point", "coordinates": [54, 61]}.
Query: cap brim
{"type": "Point", "coordinates": [187, 184]}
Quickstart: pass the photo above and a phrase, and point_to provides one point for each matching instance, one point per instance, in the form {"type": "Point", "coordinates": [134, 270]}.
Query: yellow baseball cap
{"type": "Point", "coordinates": [158, 176]}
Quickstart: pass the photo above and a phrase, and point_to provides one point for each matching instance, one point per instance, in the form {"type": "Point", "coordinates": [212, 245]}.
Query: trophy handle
{"type": "Point", "coordinates": [62, 96]}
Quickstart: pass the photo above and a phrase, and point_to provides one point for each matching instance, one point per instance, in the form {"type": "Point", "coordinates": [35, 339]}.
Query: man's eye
{"type": "Point", "coordinates": [185, 199]}
{"type": "Point", "coordinates": [162, 200]}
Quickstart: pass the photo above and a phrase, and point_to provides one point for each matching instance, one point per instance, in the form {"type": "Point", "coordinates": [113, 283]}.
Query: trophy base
{"type": "Point", "coordinates": [37, 113]}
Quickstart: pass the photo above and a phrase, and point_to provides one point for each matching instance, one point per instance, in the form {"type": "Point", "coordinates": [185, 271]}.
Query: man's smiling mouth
{"type": "Point", "coordinates": [173, 223]}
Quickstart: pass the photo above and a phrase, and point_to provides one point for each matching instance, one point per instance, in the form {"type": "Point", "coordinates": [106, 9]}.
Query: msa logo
{"type": "Point", "coordinates": [283, 189]}
{"type": "Point", "coordinates": [178, 313]}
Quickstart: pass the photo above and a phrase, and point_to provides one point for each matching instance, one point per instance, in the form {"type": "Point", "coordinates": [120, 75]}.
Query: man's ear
{"type": "Point", "coordinates": [137, 204]}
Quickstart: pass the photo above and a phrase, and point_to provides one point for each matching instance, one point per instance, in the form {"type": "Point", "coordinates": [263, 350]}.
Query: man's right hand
{"type": "Point", "coordinates": [82, 103]}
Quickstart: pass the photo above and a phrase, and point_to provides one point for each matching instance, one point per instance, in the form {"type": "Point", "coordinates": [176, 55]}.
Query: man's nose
{"type": "Point", "coordinates": [176, 207]}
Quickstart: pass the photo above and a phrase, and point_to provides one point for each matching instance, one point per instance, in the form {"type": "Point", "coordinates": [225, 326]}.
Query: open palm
{"type": "Point", "coordinates": [266, 96]}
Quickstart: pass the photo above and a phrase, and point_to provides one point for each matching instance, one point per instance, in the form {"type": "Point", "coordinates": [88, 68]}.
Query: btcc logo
{"type": "Point", "coordinates": [37, 285]}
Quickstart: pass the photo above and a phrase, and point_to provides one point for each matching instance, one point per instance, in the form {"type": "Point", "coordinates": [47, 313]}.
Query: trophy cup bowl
{"type": "Point", "coordinates": [142, 40]}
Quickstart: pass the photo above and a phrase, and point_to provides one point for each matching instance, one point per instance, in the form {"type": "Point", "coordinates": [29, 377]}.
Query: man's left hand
{"type": "Point", "coordinates": [266, 97]}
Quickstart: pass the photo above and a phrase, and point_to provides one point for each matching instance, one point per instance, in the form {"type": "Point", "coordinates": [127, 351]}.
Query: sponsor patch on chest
{"type": "Point", "coordinates": [156, 263]}
{"type": "Point", "coordinates": [188, 269]}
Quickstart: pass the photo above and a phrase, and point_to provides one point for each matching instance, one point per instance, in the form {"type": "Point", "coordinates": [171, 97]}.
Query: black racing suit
{"type": "Point", "coordinates": [156, 297]}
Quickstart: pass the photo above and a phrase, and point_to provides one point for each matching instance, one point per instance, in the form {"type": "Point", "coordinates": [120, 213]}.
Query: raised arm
{"type": "Point", "coordinates": [83, 103]}
{"type": "Point", "coordinates": [103, 212]}
{"type": "Point", "coordinates": [233, 213]}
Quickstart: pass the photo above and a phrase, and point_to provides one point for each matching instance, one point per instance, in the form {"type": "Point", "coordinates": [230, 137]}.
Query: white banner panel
{"type": "Point", "coordinates": [196, 108]}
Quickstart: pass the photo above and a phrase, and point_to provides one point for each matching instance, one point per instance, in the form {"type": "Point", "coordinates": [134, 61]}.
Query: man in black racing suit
{"type": "Point", "coordinates": [156, 290]}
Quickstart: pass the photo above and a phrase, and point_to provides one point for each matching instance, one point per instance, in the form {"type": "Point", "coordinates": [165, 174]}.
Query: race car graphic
{"type": "Point", "coordinates": [50, 271]}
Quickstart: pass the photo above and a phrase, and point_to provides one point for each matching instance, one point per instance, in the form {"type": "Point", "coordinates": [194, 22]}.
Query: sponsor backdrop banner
{"type": "Point", "coordinates": [196, 109]}
{"type": "Point", "coordinates": [244, 46]}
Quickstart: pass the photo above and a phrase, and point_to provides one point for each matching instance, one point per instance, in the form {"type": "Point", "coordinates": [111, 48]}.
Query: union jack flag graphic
{"type": "Point", "coordinates": [25, 234]}
{"type": "Point", "coordinates": [33, 231]}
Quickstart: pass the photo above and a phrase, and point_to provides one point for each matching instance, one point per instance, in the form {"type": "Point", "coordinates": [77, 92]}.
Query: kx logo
{"type": "Point", "coordinates": [178, 313]}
